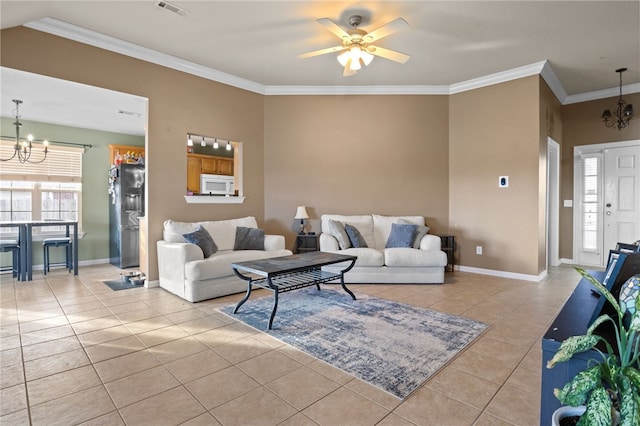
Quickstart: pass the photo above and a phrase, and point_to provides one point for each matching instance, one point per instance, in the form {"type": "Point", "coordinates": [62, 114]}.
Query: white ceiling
{"type": "Point", "coordinates": [255, 44]}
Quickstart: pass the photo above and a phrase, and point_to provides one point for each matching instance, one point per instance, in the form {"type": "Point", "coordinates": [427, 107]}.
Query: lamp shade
{"type": "Point", "coordinates": [301, 213]}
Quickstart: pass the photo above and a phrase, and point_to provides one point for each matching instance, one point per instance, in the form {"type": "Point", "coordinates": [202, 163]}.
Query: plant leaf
{"type": "Point", "coordinates": [602, 289]}
{"type": "Point", "coordinates": [598, 412]}
{"type": "Point", "coordinates": [634, 377]}
{"type": "Point", "coordinates": [577, 390]}
{"type": "Point", "coordinates": [629, 410]}
{"type": "Point", "coordinates": [597, 322]}
{"type": "Point", "coordinates": [571, 346]}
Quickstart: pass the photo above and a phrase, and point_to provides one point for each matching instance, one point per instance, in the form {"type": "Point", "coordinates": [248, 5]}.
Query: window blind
{"type": "Point", "coordinates": [63, 164]}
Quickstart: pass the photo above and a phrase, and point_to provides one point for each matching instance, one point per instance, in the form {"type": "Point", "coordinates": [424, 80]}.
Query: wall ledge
{"type": "Point", "coordinates": [199, 199]}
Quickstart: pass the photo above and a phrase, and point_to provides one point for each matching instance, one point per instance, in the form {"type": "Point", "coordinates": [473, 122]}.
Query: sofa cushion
{"type": "Point", "coordinates": [249, 239]}
{"type": "Point", "coordinates": [173, 231]}
{"type": "Point", "coordinates": [382, 227]}
{"type": "Point", "coordinates": [355, 236]}
{"type": "Point", "coordinates": [364, 224]}
{"type": "Point", "coordinates": [224, 231]}
{"type": "Point", "coordinates": [366, 256]}
{"type": "Point", "coordinates": [202, 239]}
{"type": "Point", "coordinates": [219, 264]}
{"type": "Point", "coordinates": [401, 235]}
{"type": "Point", "coordinates": [420, 232]}
{"type": "Point", "coordinates": [336, 228]}
{"type": "Point", "coordinates": [414, 257]}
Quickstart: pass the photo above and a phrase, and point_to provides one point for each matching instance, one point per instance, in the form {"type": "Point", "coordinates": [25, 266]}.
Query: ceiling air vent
{"type": "Point", "coordinates": [172, 8]}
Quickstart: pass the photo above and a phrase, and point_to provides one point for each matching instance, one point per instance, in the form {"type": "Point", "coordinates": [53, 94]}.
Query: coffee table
{"type": "Point", "coordinates": [287, 273]}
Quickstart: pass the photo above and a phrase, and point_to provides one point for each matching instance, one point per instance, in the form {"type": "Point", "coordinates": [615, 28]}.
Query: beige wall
{"type": "Point", "coordinates": [550, 126]}
{"type": "Point", "coordinates": [582, 126]}
{"type": "Point", "coordinates": [178, 103]}
{"type": "Point", "coordinates": [494, 131]}
{"type": "Point", "coordinates": [356, 155]}
{"type": "Point", "coordinates": [437, 156]}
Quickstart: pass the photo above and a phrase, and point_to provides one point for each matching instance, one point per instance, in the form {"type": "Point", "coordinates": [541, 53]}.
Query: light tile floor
{"type": "Point", "coordinates": [75, 352]}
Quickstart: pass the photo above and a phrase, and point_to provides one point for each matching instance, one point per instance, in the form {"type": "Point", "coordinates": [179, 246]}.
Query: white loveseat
{"type": "Point", "coordinates": [185, 271]}
{"type": "Point", "coordinates": [377, 264]}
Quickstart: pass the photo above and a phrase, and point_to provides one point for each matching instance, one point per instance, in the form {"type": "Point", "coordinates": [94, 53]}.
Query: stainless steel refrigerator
{"type": "Point", "coordinates": [126, 206]}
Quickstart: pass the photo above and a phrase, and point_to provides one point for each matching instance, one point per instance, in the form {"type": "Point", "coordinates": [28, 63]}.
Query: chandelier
{"type": "Point", "coordinates": [22, 148]}
{"type": "Point", "coordinates": [624, 111]}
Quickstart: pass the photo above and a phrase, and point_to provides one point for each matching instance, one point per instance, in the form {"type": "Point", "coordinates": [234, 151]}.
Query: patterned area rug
{"type": "Point", "coordinates": [393, 346]}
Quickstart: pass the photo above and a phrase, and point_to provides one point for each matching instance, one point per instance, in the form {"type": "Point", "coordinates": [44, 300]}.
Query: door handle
{"type": "Point", "coordinates": [608, 213]}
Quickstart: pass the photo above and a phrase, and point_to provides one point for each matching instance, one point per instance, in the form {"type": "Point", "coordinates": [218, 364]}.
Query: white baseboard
{"type": "Point", "coordinates": [503, 274]}
{"type": "Point", "coordinates": [567, 261]}
{"type": "Point", "coordinates": [153, 284]}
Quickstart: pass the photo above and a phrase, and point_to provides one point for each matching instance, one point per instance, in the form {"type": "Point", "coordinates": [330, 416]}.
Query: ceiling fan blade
{"type": "Point", "coordinates": [333, 27]}
{"type": "Point", "coordinates": [385, 30]}
{"type": "Point", "coordinates": [321, 52]}
{"type": "Point", "coordinates": [388, 54]}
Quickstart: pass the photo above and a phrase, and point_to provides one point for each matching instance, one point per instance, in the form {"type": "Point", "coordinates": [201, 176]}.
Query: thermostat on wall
{"type": "Point", "coordinates": [503, 181]}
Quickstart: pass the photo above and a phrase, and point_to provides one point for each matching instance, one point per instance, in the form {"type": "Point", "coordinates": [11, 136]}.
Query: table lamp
{"type": "Point", "coordinates": [301, 213]}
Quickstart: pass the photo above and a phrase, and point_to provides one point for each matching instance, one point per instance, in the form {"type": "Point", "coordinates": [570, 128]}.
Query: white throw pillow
{"type": "Point", "coordinates": [336, 229]}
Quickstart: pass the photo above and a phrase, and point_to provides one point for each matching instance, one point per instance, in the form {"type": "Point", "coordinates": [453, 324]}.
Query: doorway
{"type": "Point", "coordinates": [553, 203]}
{"type": "Point", "coordinates": [607, 199]}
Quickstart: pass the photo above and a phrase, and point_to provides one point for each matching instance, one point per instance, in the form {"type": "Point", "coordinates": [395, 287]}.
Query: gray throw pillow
{"type": "Point", "coordinates": [401, 235]}
{"type": "Point", "coordinates": [336, 229]}
{"type": "Point", "coordinates": [202, 239]}
{"type": "Point", "coordinates": [355, 237]}
{"type": "Point", "coordinates": [249, 239]}
{"type": "Point", "coordinates": [420, 232]}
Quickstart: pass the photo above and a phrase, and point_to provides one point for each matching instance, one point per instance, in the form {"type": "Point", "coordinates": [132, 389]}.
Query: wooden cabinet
{"type": "Point", "coordinates": [193, 174]}
{"type": "Point", "coordinates": [123, 150]}
{"type": "Point", "coordinates": [225, 166]}
{"type": "Point", "coordinates": [217, 165]}
{"type": "Point", "coordinates": [208, 164]}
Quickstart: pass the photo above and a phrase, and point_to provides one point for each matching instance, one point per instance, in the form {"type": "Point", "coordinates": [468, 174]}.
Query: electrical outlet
{"type": "Point", "coordinates": [479, 250]}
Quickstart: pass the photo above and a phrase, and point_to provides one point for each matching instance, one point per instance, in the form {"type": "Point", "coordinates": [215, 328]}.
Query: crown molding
{"type": "Point", "coordinates": [102, 41]}
{"type": "Point", "coordinates": [92, 38]}
{"type": "Point", "coordinates": [613, 92]}
{"type": "Point", "coordinates": [357, 90]}
{"type": "Point", "coordinates": [499, 77]}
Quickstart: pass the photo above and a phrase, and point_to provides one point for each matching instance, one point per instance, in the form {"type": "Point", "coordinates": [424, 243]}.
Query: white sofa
{"type": "Point", "coordinates": [185, 271]}
{"type": "Point", "coordinates": [377, 264]}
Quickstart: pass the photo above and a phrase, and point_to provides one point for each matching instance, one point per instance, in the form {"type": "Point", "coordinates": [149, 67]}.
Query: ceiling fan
{"type": "Point", "coordinates": [357, 49]}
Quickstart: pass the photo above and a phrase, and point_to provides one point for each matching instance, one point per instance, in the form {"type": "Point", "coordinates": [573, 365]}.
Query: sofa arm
{"type": "Point", "coordinates": [273, 242]}
{"type": "Point", "coordinates": [172, 258]}
{"type": "Point", "coordinates": [328, 242]}
{"type": "Point", "coordinates": [430, 242]}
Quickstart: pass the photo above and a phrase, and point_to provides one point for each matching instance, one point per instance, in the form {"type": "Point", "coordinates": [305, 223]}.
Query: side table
{"type": "Point", "coordinates": [449, 247]}
{"type": "Point", "coordinates": [306, 243]}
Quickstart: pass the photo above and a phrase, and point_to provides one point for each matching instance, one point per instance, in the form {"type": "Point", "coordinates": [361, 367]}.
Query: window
{"type": "Point", "coordinates": [51, 190]}
{"type": "Point", "coordinates": [590, 202]}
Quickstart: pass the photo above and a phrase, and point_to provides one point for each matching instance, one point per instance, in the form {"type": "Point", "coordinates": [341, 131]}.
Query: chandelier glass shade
{"type": "Point", "coordinates": [353, 59]}
{"type": "Point", "coordinates": [22, 148]}
{"type": "Point", "coordinates": [623, 112]}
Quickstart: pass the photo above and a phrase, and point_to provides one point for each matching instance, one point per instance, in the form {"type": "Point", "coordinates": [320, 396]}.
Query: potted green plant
{"type": "Point", "coordinates": [610, 386]}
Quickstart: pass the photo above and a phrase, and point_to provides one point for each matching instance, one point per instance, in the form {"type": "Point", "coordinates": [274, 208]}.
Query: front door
{"type": "Point", "coordinates": [621, 193]}
{"type": "Point", "coordinates": [607, 199]}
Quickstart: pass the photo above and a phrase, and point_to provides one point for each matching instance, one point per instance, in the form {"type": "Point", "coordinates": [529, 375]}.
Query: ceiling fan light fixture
{"type": "Point", "coordinates": [344, 57]}
{"type": "Point", "coordinates": [366, 57]}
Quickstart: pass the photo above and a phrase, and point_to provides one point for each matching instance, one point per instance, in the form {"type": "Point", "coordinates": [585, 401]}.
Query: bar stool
{"type": "Point", "coordinates": [57, 242]}
{"type": "Point", "coordinates": [14, 247]}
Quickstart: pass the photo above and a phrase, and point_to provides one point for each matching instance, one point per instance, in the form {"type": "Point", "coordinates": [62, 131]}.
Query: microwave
{"type": "Point", "coordinates": [216, 184]}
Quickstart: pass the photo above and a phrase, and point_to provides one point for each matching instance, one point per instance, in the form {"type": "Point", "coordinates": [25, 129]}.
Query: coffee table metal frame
{"type": "Point", "coordinates": [287, 273]}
